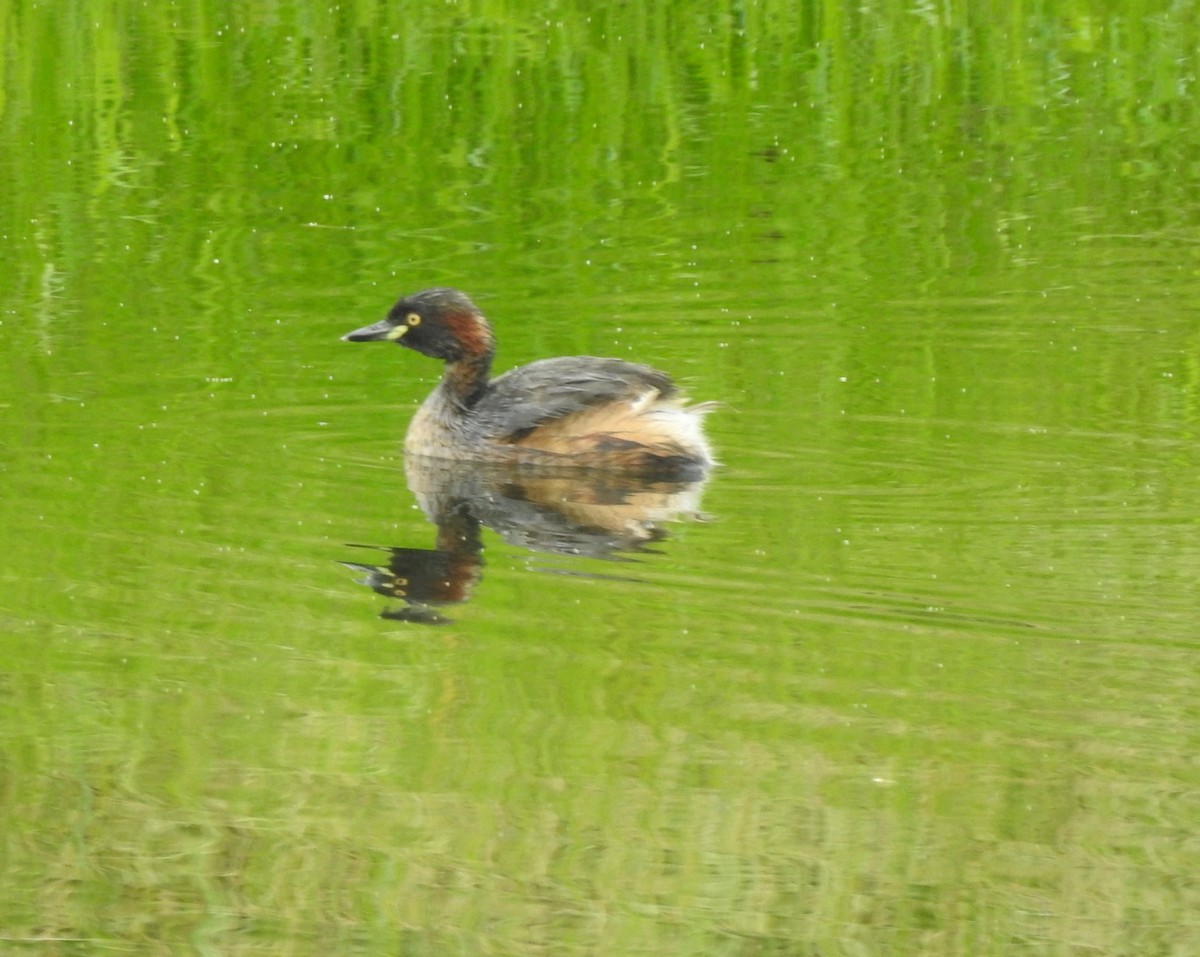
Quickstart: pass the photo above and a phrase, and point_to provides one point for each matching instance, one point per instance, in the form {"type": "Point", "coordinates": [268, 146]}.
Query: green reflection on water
{"type": "Point", "coordinates": [924, 684]}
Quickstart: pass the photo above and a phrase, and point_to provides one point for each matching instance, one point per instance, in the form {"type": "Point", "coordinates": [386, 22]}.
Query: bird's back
{"type": "Point", "coordinates": [550, 390]}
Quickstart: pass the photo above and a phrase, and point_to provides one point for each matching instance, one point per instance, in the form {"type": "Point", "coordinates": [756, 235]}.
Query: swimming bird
{"type": "Point", "coordinates": [577, 412]}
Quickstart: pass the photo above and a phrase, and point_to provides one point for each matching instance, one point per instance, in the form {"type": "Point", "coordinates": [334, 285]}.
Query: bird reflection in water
{"type": "Point", "coordinates": [594, 515]}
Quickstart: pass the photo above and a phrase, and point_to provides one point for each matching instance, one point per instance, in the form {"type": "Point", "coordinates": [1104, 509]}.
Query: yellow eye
{"type": "Point", "coordinates": [413, 319]}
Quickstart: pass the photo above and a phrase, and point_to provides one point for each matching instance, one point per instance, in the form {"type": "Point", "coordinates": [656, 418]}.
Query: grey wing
{"type": "Point", "coordinates": [550, 389]}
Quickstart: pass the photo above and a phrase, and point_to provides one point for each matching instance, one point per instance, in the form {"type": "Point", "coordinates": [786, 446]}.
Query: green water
{"type": "Point", "coordinates": [914, 673]}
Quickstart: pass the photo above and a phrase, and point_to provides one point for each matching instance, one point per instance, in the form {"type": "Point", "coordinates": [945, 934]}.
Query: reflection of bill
{"type": "Point", "coordinates": [568, 512]}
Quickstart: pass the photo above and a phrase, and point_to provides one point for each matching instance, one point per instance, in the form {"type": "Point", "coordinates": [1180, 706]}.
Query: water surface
{"type": "Point", "coordinates": [914, 672]}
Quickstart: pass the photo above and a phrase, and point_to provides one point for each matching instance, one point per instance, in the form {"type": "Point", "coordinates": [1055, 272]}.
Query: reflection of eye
{"type": "Point", "coordinates": [413, 319]}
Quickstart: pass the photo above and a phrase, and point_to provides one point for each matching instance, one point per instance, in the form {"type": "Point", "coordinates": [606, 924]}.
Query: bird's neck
{"type": "Point", "coordinates": [466, 375]}
{"type": "Point", "coordinates": [466, 379]}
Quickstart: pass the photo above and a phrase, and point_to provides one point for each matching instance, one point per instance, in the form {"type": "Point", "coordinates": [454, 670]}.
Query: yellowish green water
{"type": "Point", "coordinates": [915, 672]}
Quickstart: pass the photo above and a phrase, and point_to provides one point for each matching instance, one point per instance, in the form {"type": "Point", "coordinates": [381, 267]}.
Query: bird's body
{"type": "Point", "coordinates": [576, 412]}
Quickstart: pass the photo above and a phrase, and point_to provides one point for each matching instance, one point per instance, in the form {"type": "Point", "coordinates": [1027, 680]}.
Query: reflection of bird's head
{"type": "Point", "coordinates": [422, 576]}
